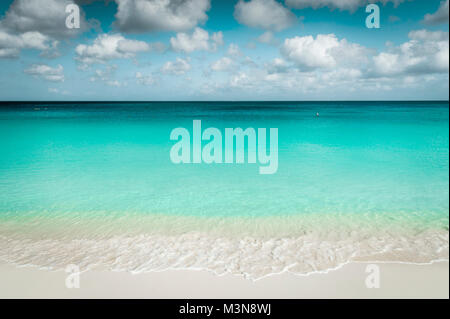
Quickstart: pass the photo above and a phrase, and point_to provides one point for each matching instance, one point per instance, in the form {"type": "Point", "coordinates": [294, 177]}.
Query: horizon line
{"type": "Point", "coordinates": [206, 101]}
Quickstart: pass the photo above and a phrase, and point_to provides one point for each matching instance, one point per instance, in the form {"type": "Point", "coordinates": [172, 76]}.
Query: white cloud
{"type": "Point", "coordinates": [440, 16]}
{"type": "Point", "coordinates": [342, 74]}
{"type": "Point", "coordinates": [241, 80]}
{"type": "Point", "coordinates": [115, 83]}
{"type": "Point", "coordinates": [51, 51]}
{"type": "Point", "coordinates": [145, 79]}
{"type": "Point", "coordinates": [223, 64]}
{"type": "Point", "coordinates": [309, 52]}
{"type": "Point", "coordinates": [109, 46]}
{"type": "Point", "coordinates": [7, 53]}
{"type": "Point", "coordinates": [198, 40]}
{"type": "Point", "coordinates": [426, 52]}
{"type": "Point", "coordinates": [217, 39]}
{"type": "Point", "coordinates": [11, 44]}
{"type": "Point", "coordinates": [46, 72]}
{"type": "Point", "coordinates": [324, 51]}
{"type": "Point", "coordinates": [425, 35]}
{"type": "Point", "coordinates": [277, 66]}
{"type": "Point", "coordinates": [314, 65]}
{"type": "Point", "coordinates": [132, 46]}
{"type": "Point", "coordinates": [37, 25]}
{"type": "Point", "coordinates": [264, 14]}
{"type": "Point", "coordinates": [177, 67]}
{"type": "Point", "coordinates": [160, 15]}
{"type": "Point", "coordinates": [349, 5]}
{"type": "Point", "coordinates": [58, 91]}
{"type": "Point", "coordinates": [263, 83]}
{"type": "Point", "coordinates": [280, 79]}
{"type": "Point", "coordinates": [233, 50]}
{"type": "Point", "coordinates": [47, 17]}
{"type": "Point", "coordinates": [104, 74]}
{"type": "Point", "coordinates": [267, 37]}
{"type": "Point", "coordinates": [34, 40]}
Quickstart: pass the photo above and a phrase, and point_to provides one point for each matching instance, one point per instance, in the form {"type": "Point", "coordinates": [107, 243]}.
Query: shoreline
{"type": "Point", "coordinates": [253, 248]}
{"type": "Point", "coordinates": [251, 258]}
{"type": "Point", "coordinates": [397, 280]}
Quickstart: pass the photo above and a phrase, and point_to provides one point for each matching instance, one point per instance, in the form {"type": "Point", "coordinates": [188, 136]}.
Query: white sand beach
{"type": "Point", "coordinates": [349, 281]}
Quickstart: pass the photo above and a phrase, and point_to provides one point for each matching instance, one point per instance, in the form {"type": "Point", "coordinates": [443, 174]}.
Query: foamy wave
{"type": "Point", "coordinates": [253, 256]}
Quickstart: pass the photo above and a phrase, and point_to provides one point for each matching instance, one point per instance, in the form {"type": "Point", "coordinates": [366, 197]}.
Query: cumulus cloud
{"type": "Point", "coordinates": [277, 66]}
{"type": "Point", "coordinates": [115, 83]}
{"type": "Point", "coordinates": [234, 51]}
{"type": "Point", "coordinates": [109, 46]}
{"type": "Point", "coordinates": [47, 17]}
{"type": "Point", "coordinates": [40, 25]}
{"type": "Point", "coordinates": [178, 67]}
{"type": "Point", "coordinates": [425, 35]}
{"type": "Point", "coordinates": [324, 51]}
{"type": "Point", "coordinates": [280, 79]}
{"type": "Point", "coordinates": [349, 5]}
{"type": "Point", "coordinates": [10, 44]}
{"type": "Point", "coordinates": [311, 65]}
{"type": "Point", "coordinates": [145, 79]}
{"type": "Point", "coordinates": [58, 91]}
{"type": "Point", "coordinates": [440, 16]}
{"type": "Point", "coordinates": [43, 71]}
{"type": "Point", "coordinates": [264, 14]}
{"type": "Point", "coordinates": [267, 37]}
{"type": "Point", "coordinates": [7, 53]}
{"type": "Point", "coordinates": [223, 64]}
{"type": "Point", "coordinates": [105, 74]}
{"type": "Point", "coordinates": [160, 15]}
{"type": "Point", "coordinates": [241, 80]}
{"type": "Point", "coordinates": [426, 52]}
{"type": "Point", "coordinates": [198, 40]}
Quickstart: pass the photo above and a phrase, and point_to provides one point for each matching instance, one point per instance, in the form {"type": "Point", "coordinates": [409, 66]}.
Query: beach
{"type": "Point", "coordinates": [224, 149]}
{"type": "Point", "coordinates": [93, 186]}
{"type": "Point", "coordinates": [396, 281]}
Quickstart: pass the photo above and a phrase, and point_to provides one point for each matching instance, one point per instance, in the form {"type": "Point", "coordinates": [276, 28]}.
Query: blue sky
{"type": "Point", "coordinates": [224, 50]}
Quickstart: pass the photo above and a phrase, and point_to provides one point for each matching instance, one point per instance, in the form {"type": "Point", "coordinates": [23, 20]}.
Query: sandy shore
{"type": "Point", "coordinates": [349, 281]}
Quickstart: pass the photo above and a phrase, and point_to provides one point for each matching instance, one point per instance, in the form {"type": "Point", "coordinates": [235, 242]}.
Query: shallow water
{"type": "Point", "coordinates": [97, 171]}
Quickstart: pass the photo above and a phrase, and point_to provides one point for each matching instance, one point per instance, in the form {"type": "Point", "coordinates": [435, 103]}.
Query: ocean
{"type": "Point", "coordinates": [93, 184]}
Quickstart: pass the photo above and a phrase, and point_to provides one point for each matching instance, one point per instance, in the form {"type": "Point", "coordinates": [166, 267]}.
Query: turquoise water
{"type": "Point", "coordinates": [356, 157]}
{"type": "Point", "coordinates": [92, 184]}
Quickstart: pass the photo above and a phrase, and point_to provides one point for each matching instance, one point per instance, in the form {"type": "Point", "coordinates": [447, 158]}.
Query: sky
{"type": "Point", "coordinates": [153, 50]}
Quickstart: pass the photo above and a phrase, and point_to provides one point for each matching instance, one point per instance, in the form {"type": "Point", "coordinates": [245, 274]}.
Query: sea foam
{"type": "Point", "coordinates": [251, 247]}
